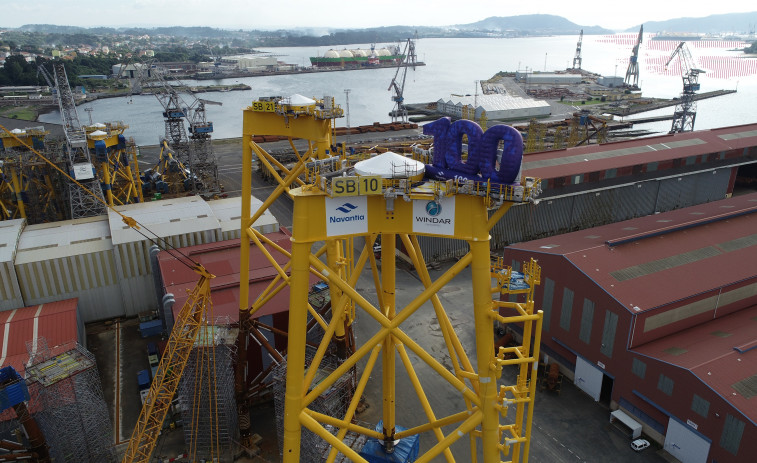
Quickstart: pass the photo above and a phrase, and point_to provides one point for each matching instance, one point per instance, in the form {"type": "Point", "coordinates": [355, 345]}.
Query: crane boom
{"type": "Point", "coordinates": [170, 369]}
{"type": "Point", "coordinates": [399, 113]}
{"type": "Point", "coordinates": [632, 73]}
{"type": "Point", "coordinates": [577, 58]}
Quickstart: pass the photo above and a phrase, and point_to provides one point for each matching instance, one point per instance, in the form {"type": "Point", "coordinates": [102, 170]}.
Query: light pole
{"type": "Point", "coordinates": [347, 96]}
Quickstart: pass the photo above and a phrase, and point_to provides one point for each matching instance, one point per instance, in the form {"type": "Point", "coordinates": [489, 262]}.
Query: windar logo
{"type": "Point", "coordinates": [345, 218]}
{"type": "Point", "coordinates": [433, 208]}
{"type": "Point", "coordinates": [435, 217]}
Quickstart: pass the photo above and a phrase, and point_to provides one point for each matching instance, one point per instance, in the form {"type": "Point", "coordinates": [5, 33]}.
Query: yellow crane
{"type": "Point", "coordinates": [170, 369]}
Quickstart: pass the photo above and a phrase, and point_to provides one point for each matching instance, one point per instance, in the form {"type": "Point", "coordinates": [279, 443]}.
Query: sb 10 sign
{"type": "Point", "coordinates": [481, 164]}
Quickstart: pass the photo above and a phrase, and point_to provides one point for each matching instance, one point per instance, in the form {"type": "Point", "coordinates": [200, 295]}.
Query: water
{"type": "Point", "coordinates": [454, 66]}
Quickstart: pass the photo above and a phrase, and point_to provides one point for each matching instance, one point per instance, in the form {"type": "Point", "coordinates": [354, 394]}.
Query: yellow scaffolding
{"type": "Point", "coordinates": [388, 211]}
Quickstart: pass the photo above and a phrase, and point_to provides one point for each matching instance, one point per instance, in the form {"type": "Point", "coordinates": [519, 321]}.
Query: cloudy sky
{"type": "Point", "coordinates": [252, 14]}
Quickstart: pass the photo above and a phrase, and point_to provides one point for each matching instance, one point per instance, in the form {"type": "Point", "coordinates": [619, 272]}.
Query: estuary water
{"type": "Point", "coordinates": [453, 66]}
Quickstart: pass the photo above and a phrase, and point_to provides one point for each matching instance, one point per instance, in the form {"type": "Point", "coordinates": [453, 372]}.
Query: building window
{"type": "Point", "coordinates": [652, 166]}
{"type": "Point", "coordinates": [732, 431]}
{"type": "Point", "coordinates": [665, 384]}
{"type": "Point", "coordinates": [587, 319]}
{"type": "Point", "coordinates": [700, 405]}
{"type": "Point", "coordinates": [567, 307]}
{"type": "Point", "coordinates": [639, 368]}
{"type": "Point", "coordinates": [546, 306]}
{"type": "Point", "coordinates": [611, 173]}
{"type": "Point", "coordinates": [608, 333]}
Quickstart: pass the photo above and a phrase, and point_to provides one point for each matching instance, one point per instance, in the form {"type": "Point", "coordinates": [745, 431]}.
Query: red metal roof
{"type": "Point", "coordinates": [54, 321]}
{"type": "Point", "coordinates": [222, 259]}
{"type": "Point", "coordinates": [686, 252]}
{"type": "Point", "coordinates": [709, 352]}
{"type": "Point", "coordinates": [594, 158]}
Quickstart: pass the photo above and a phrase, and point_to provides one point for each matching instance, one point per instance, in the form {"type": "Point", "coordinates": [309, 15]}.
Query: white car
{"type": "Point", "coordinates": [639, 444]}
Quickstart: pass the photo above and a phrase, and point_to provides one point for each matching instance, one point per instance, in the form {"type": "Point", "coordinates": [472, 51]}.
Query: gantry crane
{"type": "Point", "coordinates": [685, 112]}
{"type": "Point", "coordinates": [113, 158]}
{"type": "Point", "coordinates": [577, 58]}
{"type": "Point", "coordinates": [80, 164]}
{"type": "Point", "coordinates": [194, 150]}
{"type": "Point", "coordinates": [399, 112]}
{"type": "Point", "coordinates": [632, 73]}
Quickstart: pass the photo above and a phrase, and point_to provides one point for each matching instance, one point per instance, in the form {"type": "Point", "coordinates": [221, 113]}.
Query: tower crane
{"type": "Point", "coordinates": [632, 73]}
{"type": "Point", "coordinates": [399, 112]}
{"type": "Point", "coordinates": [686, 110]}
{"type": "Point", "coordinates": [577, 58]}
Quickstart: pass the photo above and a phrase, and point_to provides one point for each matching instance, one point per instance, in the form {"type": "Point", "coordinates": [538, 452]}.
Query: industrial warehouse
{"type": "Point", "coordinates": [655, 316]}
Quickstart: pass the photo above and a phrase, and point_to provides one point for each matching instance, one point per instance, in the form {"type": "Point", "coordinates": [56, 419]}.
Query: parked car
{"type": "Point", "coordinates": [639, 444]}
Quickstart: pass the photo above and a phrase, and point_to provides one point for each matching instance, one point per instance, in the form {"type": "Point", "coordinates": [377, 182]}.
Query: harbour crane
{"type": "Point", "coordinates": [632, 73]}
{"type": "Point", "coordinates": [685, 112]}
{"type": "Point", "coordinates": [195, 151]}
{"type": "Point", "coordinates": [399, 112]}
{"type": "Point", "coordinates": [577, 58]}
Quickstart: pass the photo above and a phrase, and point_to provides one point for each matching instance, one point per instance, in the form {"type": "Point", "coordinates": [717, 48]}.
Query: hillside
{"type": "Point", "coordinates": [737, 23]}
{"type": "Point", "coordinates": [532, 24]}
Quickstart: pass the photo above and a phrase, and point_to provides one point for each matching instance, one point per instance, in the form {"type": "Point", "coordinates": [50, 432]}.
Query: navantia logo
{"type": "Point", "coordinates": [433, 208]}
{"type": "Point", "coordinates": [346, 208]}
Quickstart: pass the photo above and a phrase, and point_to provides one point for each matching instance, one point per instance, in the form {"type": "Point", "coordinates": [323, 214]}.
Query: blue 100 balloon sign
{"type": "Point", "coordinates": [481, 164]}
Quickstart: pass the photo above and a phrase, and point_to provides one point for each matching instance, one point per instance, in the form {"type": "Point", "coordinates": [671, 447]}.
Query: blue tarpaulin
{"type": "Point", "coordinates": [405, 450]}
{"type": "Point", "coordinates": [14, 390]}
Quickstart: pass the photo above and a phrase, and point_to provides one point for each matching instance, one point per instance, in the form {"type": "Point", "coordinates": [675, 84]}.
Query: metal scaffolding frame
{"type": "Point", "coordinates": [67, 402]}
{"type": "Point", "coordinates": [333, 402]}
{"type": "Point", "coordinates": [206, 394]}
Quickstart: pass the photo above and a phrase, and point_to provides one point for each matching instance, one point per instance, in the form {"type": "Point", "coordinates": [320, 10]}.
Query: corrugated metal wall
{"type": "Point", "coordinates": [10, 292]}
{"type": "Point", "coordinates": [135, 276]}
{"type": "Point", "coordinates": [90, 277]}
{"type": "Point", "coordinates": [561, 214]}
{"type": "Point", "coordinates": [135, 271]}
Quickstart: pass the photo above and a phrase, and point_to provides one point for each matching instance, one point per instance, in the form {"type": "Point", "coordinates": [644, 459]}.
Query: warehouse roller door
{"type": "Point", "coordinates": [588, 378]}
{"type": "Point", "coordinates": [686, 444]}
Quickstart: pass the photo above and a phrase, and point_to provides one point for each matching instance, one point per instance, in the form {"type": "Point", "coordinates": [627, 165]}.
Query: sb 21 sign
{"type": "Point", "coordinates": [481, 164]}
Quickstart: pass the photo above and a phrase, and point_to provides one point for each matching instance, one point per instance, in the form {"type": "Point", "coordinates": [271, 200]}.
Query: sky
{"type": "Point", "coordinates": [277, 14]}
